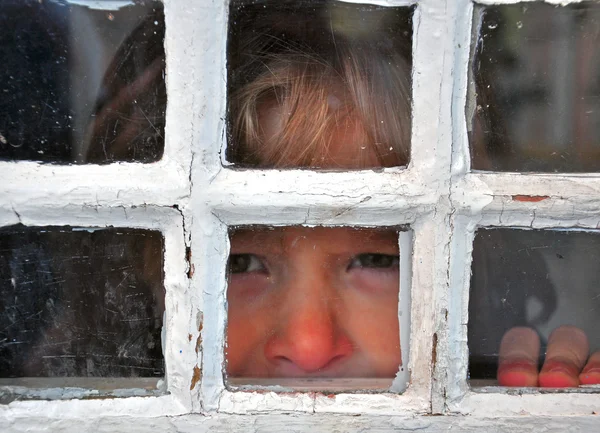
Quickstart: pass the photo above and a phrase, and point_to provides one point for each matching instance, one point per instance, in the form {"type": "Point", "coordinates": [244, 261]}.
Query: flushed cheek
{"type": "Point", "coordinates": [246, 335]}
{"type": "Point", "coordinates": [248, 324]}
{"type": "Point", "coordinates": [374, 329]}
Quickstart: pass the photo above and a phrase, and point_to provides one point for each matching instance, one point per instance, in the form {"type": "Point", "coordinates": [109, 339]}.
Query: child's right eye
{"type": "Point", "coordinates": [240, 263]}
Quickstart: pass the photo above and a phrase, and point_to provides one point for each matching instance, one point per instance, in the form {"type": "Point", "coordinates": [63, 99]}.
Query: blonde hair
{"type": "Point", "coordinates": [289, 114]}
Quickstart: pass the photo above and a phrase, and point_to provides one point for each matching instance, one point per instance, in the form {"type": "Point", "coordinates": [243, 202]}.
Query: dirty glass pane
{"type": "Point", "coordinates": [80, 302]}
{"type": "Point", "coordinates": [538, 279]}
{"type": "Point", "coordinates": [82, 81]}
{"type": "Point", "coordinates": [314, 303]}
{"type": "Point", "coordinates": [534, 88]}
{"type": "Point", "coordinates": [319, 84]}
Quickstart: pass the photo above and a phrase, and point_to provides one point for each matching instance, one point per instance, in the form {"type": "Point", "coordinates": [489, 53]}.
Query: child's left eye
{"type": "Point", "coordinates": [372, 260]}
{"type": "Point", "coordinates": [239, 263]}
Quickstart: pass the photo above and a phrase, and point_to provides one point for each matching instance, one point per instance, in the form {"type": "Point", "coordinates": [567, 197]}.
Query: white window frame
{"type": "Point", "coordinates": [192, 198]}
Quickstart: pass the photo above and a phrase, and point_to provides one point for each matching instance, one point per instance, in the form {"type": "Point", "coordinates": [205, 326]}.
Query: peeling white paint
{"type": "Point", "coordinates": [277, 422]}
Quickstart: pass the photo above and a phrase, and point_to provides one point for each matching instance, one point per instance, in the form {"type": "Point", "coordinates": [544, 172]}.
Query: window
{"type": "Point", "coordinates": [192, 195]}
{"type": "Point", "coordinates": [89, 260]}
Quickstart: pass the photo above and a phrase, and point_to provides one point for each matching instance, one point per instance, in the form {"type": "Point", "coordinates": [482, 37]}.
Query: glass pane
{"type": "Point", "coordinates": [319, 84]}
{"type": "Point", "coordinates": [529, 284]}
{"type": "Point", "coordinates": [534, 96]}
{"type": "Point", "coordinates": [80, 302]}
{"type": "Point", "coordinates": [82, 81]}
{"type": "Point", "coordinates": [313, 303]}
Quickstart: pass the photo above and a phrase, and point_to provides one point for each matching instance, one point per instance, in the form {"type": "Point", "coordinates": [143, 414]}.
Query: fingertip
{"type": "Point", "coordinates": [567, 351]}
{"type": "Point", "coordinates": [558, 379]}
{"type": "Point", "coordinates": [518, 375]}
{"type": "Point", "coordinates": [590, 375]}
{"type": "Point", "coordinates": [517, 363]}
{"type": "Point", "coordinates": [559, 373]}
{"type": "Point", "coordinates": [589, 378]}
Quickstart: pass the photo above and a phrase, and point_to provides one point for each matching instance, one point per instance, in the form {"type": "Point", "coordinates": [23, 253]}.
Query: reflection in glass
{"type": "Point", "coordinates": [313, 303]}
{"type": "Point", "coordinates": [541, 279]}
{"type": "Point", "coordinates": [319, 84]}
{"type": "Point", "coordinates": [534, 96]}
{"type": "Point", "coordinates": [81, 81]}
{"type": "Point", "coordinates": [80, 302]}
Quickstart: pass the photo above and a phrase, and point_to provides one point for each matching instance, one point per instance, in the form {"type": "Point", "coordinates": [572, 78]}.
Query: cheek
{"type": "Point", "coordinates": [377, 337]}
{"type": "Point", "coordinates": [248, 324]}
{"type": "Point", "coordinates": [243, 342]}
{"type": "Point", "coordinates": [372, 324]}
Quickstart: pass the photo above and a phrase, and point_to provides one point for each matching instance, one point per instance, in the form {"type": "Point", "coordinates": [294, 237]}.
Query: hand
{"type": "Point", "coordinates": [566, 365]}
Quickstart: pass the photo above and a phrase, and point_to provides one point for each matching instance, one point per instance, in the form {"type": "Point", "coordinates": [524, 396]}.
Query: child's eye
{"type": "Point", "coordinates": [372, 260]}
{"type": "Point", "coordinates": [240, 263]}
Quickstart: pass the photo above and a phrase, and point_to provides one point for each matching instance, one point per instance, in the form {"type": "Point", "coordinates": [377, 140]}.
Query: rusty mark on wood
{"type": "Point", "coordinates": [188, 258]}
{"type": "Point", "coordinates": [196, 377]}
{"type": "Point", "coordinates": [198, 343]}
{"type": "Point", "coordinates": [530, 198]}
{"type": "Point", "coordinates": [199, 339]}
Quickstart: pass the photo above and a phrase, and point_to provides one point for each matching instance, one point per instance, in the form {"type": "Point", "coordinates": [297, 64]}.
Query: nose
{"type": "Point", "coordinates": [310, 338]}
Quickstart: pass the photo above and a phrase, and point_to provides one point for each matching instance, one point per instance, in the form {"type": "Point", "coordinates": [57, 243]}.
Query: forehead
{"type": "Point", "coordinates": [331, 239]}
{"type": "Point", "coordinates": [341, 136]}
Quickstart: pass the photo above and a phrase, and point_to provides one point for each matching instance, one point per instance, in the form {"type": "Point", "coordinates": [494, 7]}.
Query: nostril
{"type": "Point", "coordinates": [332, 362]}
{"type": "Point", "coordinates": [299, 355]}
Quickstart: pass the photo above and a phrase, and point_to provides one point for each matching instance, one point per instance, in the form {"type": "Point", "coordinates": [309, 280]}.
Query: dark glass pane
{"type": "Point", "coordinates": [536, 83]}
{"type": "Point", "coordinates": [541, 279]}
{"type": "Point", "coordinates": [313, 303]}
{"type": "Point", "coordinates": [319, 84]}
{"type": "Point", "coordinates": [80, 302]}
{"type": "Point", "coordinates": [81, 84]}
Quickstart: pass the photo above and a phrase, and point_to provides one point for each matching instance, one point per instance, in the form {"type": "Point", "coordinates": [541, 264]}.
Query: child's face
{"type": "Point", "coordinates": [313, 302]}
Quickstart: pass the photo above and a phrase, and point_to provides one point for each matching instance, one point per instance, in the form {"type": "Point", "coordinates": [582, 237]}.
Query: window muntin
{"type": "Point", "coordinates": [80, 83]}
{"type": "Point", "coordinates": [316, 199]}
{"type": "Point", "coordinates": [540, 279]}
{"type": "Point", "coordinates": [534, 92]}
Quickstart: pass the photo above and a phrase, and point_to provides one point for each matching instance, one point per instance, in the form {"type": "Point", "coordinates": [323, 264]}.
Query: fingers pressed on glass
{"type": "Point", "coordinates": [591, 372]}
{"type": "Point", "coordinates": [567, 352]}
{"type": "Point", "coordinates": [530, 283]}
{"type": "Point", "coordinates": [518, 358]}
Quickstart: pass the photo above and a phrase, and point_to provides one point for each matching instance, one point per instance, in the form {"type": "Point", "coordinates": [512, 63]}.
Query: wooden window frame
{"type": "Point", "coordinates": [192, 196]}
